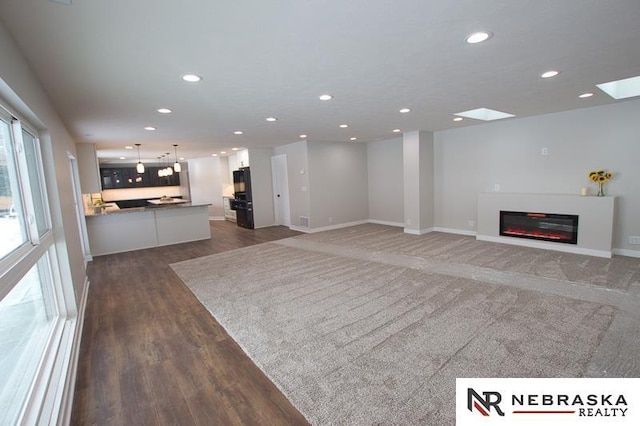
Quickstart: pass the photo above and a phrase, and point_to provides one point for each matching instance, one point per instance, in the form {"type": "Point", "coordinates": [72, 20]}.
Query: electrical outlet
{"type": "Point", "coordinates": [634, 240]}
{"type": "Point", "coordinates": [496, 187]}
{"type": "Point", "coordinates": [544, 151]}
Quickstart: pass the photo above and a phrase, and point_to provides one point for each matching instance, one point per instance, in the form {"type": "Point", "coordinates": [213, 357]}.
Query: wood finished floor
{"type": "Point", "coordinates": [151, 354]}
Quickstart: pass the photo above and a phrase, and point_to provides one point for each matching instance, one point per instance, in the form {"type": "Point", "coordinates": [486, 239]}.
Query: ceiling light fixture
{"type": "Point", "coordinates": [168, 170]}
{"type": "Point", "coordinates": [139, 166]}
{"type": "Point", "coordinates": [128, 147]}
{"type": "Point", "coordinates": [344, 126]}
{"type": "Point", "coordinates": [123, 158]}
{"type": "Point", "coordinates": [586, 95]}
{"type": "Point", "coordinates": [176, 166]}
{"type": "Point", "coordinates": [458, 119]}
{"type": "Point", "coordinates": [191, 78]}
{"type": "Point", "coordinates": [214, 155]}
{"type": "Point", "coordinates": [549, 74]}
{"type": "Point", "coordinates": [164, 111]}
{"type": "Point", "coordinates": [325, 97]}
{"type": "Point", "coordinates": [161, 171]}
{"type": "Point", "coordinates": [150, 128]}
{"type": "Point", "coordinates": [353, 139]}
{"type": "Point", "coordinates": [396, 130]}
{"type": "Point", "coordinates": [223, 152]}
{"type": "Point", "coordinates": [303, 136]}
{"type": "Point", "coordinates": [478, 37]}
{"type": "Point", "coordinates": [271, 119]}
{"type": "Point", "coordinates": [238, 132]}
{"type": "Point", "coordinates": [404, 110]}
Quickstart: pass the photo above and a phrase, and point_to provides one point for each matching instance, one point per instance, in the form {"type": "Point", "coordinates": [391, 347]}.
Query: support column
{"type": "Point", "coordinates": [418, 164]}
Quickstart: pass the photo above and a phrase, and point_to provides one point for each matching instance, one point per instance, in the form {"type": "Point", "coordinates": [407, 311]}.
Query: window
{"type": "Point", "coordinates": [32, 313]}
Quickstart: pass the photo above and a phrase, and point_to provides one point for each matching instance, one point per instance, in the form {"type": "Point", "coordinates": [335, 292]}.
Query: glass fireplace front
{"type": "Point", "coordinates": [558, 228]}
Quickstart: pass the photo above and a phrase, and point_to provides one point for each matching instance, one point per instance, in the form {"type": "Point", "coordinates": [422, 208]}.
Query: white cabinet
{"type": "Point", "coordinates": [228, 213]}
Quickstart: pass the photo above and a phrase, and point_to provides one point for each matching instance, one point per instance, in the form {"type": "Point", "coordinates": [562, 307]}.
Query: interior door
{"type": "Point", "coordinates": [280, 190]}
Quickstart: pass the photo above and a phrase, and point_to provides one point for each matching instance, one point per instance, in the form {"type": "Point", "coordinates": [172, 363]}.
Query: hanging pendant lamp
{"type": "Point", "coordinates": [139, 166]}
{"type": "Point", "coordinates": [160, 169]}
{"type": "Point", "coordinates": [168, 169]}
{"type": "Point", "coordinates": [176, 166]}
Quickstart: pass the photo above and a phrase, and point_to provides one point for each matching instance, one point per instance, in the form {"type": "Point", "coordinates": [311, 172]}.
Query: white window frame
{"type": "Point", "coordinates": [44, 399]}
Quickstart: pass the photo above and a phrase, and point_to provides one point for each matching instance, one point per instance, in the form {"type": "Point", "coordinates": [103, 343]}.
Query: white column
{"type": "Point", "coordinates": [418, 154]}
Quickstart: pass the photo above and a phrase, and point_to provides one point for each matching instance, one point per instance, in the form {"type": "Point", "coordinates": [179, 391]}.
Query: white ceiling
{"type": "Point", "coordinates": [108, 65]}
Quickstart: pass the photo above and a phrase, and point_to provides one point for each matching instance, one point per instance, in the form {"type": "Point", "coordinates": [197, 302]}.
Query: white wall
{"type": "Point", "coordinates": [471, 160]}
{"type": "Point", "coordinates": [385, 181]}
{"type": "Point", "coordinates": [20, 89]}
{"type": "Point", "coordinates": [297, 171]}
{"type": "Point", "coordinates": [207, 183]}
{"type": "Point", "coordinates": [338, 187]}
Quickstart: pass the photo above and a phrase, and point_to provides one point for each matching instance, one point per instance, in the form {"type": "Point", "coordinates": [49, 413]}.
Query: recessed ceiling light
{"type": "Point", "coordinates": [271, 119]}
{"type": "Point", "coordinates": [128, 147]}
{"type": "Point", "coordinates": [164, 111]}
{"type": "Point", "coordinates": [353, 139]}
{"type": "Point", "coordinates": [191, 78]}
{"type": "Point", "coordinates": [235, 149]}
{"type": "Point", "coordinates": [214, 155]}
{"type": "Point", "coordinates": [478, 37]}
{"type": "Point", "coordinates": [150, 128]}
{"type": "Point", "coordinates": [622, 89]}
{"type": "Point", "coordinates": [549, 74]}
{"type": "Point", "coordinates": [405, 110]}
{"type": "Point", "coordinates": [182, 158]}
{"type": "Point", "coordinates": [344, 126]}
{"type": "Point", "coordinates": [223, 152]}
{"type": "Point", "coordinates": [303, 136]}
{"type": "Point", "coordinates": [458, 119]}
{"type": "Point", "coordinates": [238, 132]}
{"type": "Point", "coordinates": [485, 114]}
{"type": "Point", "coordinates": [586, 95]}
{"type": "Point", "coordinates": [325, 97]}
{"type": "Point", "coordinates": [123, 158]}
{"type": "Point", "coordinates": [396, 130]}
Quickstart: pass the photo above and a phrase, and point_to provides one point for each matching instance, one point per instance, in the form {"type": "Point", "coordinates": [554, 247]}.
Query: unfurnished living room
{"type": "Point", "coordinates": [316, 212]}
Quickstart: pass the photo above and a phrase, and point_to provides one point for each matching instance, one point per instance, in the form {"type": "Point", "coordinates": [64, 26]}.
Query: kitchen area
{"type": "Point", "coordinates": [130, 206]}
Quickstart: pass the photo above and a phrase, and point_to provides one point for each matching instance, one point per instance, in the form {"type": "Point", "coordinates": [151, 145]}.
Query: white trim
{"type": "Point", "coordinates": [544, 245]}
{"type": "Point", "coordinates": [386, 222]}
{"type": "Point", "coordinates": [300, 229]}
{"type": "Point", "coordinates": [218, 218]}
{"type": "Point", "coordinates": [329, 228]}
{"type": "Point", "coordinates": [627, 252]}
{"type": "Point", "coordinates": [455, 231]}
{"type": "Point", "coordinates": [266, 226]}
{"type": "Point", "coordinates": [70, 382]}
{"type": "Point", "coordinates": [418, 231]}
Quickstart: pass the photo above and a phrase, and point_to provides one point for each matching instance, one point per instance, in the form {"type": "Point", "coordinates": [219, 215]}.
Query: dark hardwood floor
{"type": "Point", "coordinates": [151, 354]}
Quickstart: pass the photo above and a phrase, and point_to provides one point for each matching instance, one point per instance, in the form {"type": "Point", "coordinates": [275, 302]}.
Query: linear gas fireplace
{"type": "Point", "coordinates": [559, 228]}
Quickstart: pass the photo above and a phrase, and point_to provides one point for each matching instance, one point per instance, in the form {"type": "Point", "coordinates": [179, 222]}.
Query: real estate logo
{"type": "Point", "coordinates": [541, 401]}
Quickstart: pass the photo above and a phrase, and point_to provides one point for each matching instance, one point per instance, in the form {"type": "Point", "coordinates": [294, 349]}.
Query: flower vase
{"type": "Point", "coordinates": [600, 190]}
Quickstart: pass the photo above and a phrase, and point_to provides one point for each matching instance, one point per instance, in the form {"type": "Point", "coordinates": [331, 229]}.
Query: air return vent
{"type": "Point", "coordinates": [304, 221]}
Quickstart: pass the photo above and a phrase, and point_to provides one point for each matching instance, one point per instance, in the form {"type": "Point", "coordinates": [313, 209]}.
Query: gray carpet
{"type": "Point", "coordinates": [368, 325]}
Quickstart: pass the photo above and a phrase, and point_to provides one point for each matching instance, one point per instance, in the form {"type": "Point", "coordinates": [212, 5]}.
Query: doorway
{"type": "Point", "coordinates": [280, 178]}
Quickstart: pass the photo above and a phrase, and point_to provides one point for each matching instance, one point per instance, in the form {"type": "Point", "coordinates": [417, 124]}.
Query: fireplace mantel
{"type": "Point", "coordinates": [595, 228]}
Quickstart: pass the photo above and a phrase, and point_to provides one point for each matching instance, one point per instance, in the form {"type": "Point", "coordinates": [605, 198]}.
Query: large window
{"type": "Point", "coordinates": [30, 311]}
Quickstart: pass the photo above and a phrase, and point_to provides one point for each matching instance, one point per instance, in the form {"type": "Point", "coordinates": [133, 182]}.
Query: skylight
{"type": "Point", "coordinates": [622, 89]}
{"type": "Point", "coordinates": [484, 114]}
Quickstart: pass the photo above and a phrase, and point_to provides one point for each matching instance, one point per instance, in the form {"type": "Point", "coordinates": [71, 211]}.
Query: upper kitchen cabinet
{"type": "Point", "coordinates": [88, 169]}
{"type": "Point", "coordinates": [127, 177]}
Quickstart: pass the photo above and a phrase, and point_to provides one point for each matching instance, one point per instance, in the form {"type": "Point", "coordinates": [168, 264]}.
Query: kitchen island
{"type": "Point", "coordinates": [113, 230]}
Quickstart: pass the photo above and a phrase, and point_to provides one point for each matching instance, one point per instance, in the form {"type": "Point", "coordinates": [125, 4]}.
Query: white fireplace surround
{"type": "Point", "coordinates": [595, 222]}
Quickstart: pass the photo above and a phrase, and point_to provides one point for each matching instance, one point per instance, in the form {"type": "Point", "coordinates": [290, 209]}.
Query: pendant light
{"type": "Point", "coordinates": [168, 170]}
{"type": "Point", "coordinates": [139, 166]}
{"type": "Point", "coordinates": [176, 166]}
{"type": "Point", "coordinates": [160, 169]}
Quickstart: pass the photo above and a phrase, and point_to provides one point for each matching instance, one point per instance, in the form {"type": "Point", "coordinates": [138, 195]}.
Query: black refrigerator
{"type": "Point", "coordinates": [242, 202]}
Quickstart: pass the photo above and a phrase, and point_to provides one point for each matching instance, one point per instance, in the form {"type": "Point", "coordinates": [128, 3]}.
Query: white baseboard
{"type": "Point", "coordinates": [626, 252]}
{"type": "Point", "coordinates": [543, 245]}
{"type": "Point", "coordinates": [418, 231]}
{"type": "Point", "coordinates": [328, 228]}
{"type": "Point", "coordinates": [387, 223]}
{"type": "Point", "coordinates": [70, 382]}
{"type": "Point", "coordinates": [216, 218]}
{"type": "Point", "coordinates": [455, 231]}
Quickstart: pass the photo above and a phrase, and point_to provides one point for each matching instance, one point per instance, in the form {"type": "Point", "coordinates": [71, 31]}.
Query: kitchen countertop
{"type": "Point", "coordinates": [102, 211]}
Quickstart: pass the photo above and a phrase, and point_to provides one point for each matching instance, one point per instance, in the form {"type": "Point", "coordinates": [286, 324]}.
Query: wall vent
{"type": "Point", "coordinates": [304, 221]}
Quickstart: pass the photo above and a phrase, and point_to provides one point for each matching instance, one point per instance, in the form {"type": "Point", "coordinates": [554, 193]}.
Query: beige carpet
{"type": "Point", "coordinates": [371, 326]}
